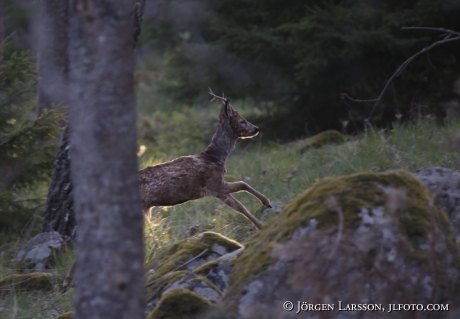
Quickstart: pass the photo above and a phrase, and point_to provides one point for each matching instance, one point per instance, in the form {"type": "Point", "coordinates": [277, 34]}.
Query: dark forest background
{"type": "Point", "coordinates": [285, 65]}
{"type": "Point", "coordinates": [292, 59]}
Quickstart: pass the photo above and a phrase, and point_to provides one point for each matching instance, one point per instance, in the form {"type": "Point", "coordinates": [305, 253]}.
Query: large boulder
{"type": "Point", "coordinates": [444, 185]}
{"type": "Point", "coordinates": [369, 241]}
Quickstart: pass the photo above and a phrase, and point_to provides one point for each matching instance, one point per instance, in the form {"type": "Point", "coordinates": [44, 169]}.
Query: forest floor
{"type": "Point", "coordinates": [278, 171]}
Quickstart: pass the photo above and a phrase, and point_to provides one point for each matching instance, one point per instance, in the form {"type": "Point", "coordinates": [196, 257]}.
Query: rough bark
{"type": "Point", "coordinates": [138, 16]}
{"type": "Point", "coordinates": [104, 165]}
{"type": "Point", "coordinates": [59, 213]}
{"type": "Point", "coordinates": [53, 63]}
{"type": "Point", "coordinates": [53, 69]}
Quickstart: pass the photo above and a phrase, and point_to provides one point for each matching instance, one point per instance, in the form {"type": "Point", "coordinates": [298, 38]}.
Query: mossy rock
{"type": "Point", "coordinates": [155, 287]}
{"type": "Point", "coordinates": [27, 282]}
{"type": "Point", "coordinates": [170, 275]}
{"type": "Point", "coordinates": [218, 271]}
{"type": "Point", "coordinates": [354, 238]}
{"type": "Point", "coordinates": [321, 139]}
{"type": "Point", "coordinates": [181, 279]}
{"type": "Point", "coordinates": [180, 303]}
{"type": "Point", "coordinates": [264, 213]}
{"type": "Point", "coordinates": [66, 315]}
{"type": "Point", "coordinates": [444, 182]}
{"type": "Point", "coordinates": [212, 244]}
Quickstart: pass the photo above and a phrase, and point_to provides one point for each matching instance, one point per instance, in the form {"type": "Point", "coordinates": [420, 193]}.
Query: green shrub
{"type": "Point", "coordinates": [27, 143]}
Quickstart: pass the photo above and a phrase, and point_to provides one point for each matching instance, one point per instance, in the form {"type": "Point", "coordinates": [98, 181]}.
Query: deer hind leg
{"type": "Point", "coordinates": [242, 186]}
{"type": "Point", "coordinates": [147, 214]}
{"type": "Point", "coordinates": [236, 205]}
{"type": "Point", "coordinates": [68, 278]}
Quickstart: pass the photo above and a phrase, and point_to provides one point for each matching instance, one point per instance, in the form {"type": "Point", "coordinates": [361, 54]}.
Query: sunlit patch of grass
{"type": "Point", "coordinates": [281, 174]}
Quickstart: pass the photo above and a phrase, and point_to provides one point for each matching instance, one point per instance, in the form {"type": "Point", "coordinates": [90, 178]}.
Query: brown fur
{"type": "Point", "coordinates": [191, 177]}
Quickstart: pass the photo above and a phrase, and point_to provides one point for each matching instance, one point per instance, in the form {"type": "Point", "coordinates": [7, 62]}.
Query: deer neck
{"type": "Point", "coordinates": [222, 144]}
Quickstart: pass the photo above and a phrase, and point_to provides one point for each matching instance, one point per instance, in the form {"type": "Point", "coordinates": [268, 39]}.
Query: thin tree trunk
{"type": "Point", "coordinates": [2, 32]}
{"type": "Point", "coordinates": [138, 15]}
{"type": "Point", "coordinates": [53, 71]}
{"type": "Point", "coordinates": [109, 272]}
{"type": "Point", "coordinates": [59, 213]}
{"type": "Point", "coordinates": [53, 63]}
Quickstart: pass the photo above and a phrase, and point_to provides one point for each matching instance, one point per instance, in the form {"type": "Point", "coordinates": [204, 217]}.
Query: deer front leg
{"type": "Point", "coordinates": [236, 205]}
{"type": "Point", "coordinates": [242, 186]}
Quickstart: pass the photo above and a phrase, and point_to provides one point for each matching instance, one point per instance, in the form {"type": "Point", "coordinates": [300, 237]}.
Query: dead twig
{"type": "Point", "coordinates": [432, 29]}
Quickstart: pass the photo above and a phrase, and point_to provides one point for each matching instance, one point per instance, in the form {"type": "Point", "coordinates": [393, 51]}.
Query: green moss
{"type": "Point", "coordinates": [66, 315]}
{"type": "Point", "coordinates": [27, 282]}
{"type": "Point", "coordinates": [212, 238]}
{"type": "Point", "coordinates": [206, 268]}
{"type": "Point", "coordinates": [321, 139]}
{"type": "Point", "coordinates": [352, 193]}
{"type": "Point", "coordinates": [180, 252]}
{"type": "Point", "coordinates": [201, 278]}
{"type": "Point", "coordinates": [179, 303]}
{"type": "Point", "coordinates": [154, 290]}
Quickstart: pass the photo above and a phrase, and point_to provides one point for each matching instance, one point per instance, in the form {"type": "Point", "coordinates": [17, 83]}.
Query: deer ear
{"type": "Point", "coordinates": [228, 109]}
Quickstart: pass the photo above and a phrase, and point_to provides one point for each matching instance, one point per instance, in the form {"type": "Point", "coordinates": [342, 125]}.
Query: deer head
{"type": "Point", "coordinates": [240, 127]}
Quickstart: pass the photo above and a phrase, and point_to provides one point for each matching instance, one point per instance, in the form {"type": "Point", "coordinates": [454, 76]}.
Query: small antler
{"type": "Point", "coordinates": [215, 97]}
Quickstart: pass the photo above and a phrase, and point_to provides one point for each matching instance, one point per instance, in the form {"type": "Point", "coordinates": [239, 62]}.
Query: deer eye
{"type": "Point", "coordinates": [242, 121]}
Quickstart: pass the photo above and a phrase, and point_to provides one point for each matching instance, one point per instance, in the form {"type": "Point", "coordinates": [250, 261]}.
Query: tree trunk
{"type": "Point", "coordinates": [109, 272]}
{"type": "Point", "coordinates": [138, 15]}
{"type": "Point", "coordinates": [2, 33]}
{"type": "Point", "coordinates": [53, 70]}
{"type": "Point", "coordinates": [59, 213]}
{"type": "Point", "coordinates": [53, 63]}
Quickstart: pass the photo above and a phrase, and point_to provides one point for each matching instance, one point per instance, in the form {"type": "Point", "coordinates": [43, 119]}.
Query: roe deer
{"type": "Point", "coordinates": [191, 177]}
